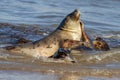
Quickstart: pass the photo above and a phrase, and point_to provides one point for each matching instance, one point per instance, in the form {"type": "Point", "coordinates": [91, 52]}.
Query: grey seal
{"type": "Point", "coordinates": [70, 28]}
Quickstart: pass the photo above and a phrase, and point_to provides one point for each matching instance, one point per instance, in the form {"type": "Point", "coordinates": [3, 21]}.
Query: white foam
{"type": "Point", "coordinates": [116, 36]}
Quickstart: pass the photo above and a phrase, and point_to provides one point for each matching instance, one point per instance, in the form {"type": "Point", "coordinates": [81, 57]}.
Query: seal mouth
{"type": "Point", "coordinates": [75, 14]}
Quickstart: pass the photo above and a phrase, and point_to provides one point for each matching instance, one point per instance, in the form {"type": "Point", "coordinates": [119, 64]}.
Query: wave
{"type": "Point", "coordinates": [111, 56]}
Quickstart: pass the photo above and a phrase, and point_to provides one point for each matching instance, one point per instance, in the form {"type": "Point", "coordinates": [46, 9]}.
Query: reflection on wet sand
{"type": "Point", "coordinates": [69, 77]}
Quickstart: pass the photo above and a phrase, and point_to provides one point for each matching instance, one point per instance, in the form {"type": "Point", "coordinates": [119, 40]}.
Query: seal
{"type": "Point", "coordinates": [70, 28]}
{"type": "Point", "coordinates": [100, 44]}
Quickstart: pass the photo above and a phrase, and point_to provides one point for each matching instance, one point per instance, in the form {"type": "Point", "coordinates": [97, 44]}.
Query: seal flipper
{"type": "Point", "coordinates": [64, 54]}
{"type": "Point", "coordinates": [61, 53]}
{"type": "Point", "coordinates": [9, 47]}
{"type": "Point", "coordinates": [13, 48]}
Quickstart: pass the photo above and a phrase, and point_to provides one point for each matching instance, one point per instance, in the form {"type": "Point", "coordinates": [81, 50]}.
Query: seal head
{"type": "Point", "coordinates": [100, 44]}
{"type": "Point", "coordinates": [70, 20]}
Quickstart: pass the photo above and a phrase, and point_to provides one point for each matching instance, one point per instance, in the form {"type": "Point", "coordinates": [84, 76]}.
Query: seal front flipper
{"type": "Point", "coordinates": [85, 38]}
{"type": "Point", "coordinates": [64, 54]}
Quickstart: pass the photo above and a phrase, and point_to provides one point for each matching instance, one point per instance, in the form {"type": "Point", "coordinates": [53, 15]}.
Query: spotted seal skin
{"type": "Point", "coordinates": [70, 28]}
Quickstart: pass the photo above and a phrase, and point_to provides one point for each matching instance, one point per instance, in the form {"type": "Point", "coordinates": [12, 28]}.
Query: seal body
{"type": "Point", "coordinates": [69, 28]}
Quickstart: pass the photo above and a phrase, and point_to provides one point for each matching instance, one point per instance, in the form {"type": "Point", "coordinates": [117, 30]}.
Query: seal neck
{"type": "Point", "coordinates": [68, 30]}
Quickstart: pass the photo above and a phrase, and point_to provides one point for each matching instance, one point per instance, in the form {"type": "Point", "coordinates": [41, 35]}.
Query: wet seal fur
{"type": "Point", "coordinates": [100, 44]}
{"type": "Point", "coordinates": [70, 28]}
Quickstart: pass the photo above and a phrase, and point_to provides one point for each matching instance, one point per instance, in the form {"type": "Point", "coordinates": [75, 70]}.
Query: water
{"type": "Point", "coordinates": [34, 19]}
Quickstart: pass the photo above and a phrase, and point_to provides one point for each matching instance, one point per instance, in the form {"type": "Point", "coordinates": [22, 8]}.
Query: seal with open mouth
{"type": "Point", "coordinates": [70, 28]}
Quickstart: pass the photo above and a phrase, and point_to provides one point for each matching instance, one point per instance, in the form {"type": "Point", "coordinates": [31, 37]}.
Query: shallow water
{"type": "Point", "coordinates": [34, 19]}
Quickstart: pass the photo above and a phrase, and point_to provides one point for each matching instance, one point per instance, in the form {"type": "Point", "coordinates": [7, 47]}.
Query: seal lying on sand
{"type": "Point", "coordinates": [70, 28]}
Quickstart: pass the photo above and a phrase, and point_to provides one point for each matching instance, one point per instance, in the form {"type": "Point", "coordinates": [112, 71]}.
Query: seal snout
{"type": "Point", "coordinates": [76, 10]}
{"type": "Point", "coordinates": [76, 14]}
